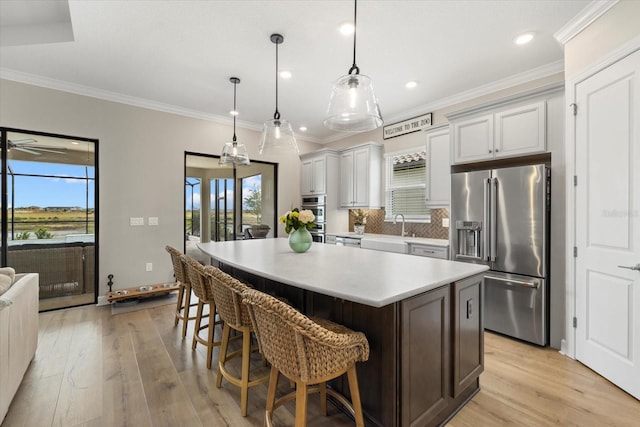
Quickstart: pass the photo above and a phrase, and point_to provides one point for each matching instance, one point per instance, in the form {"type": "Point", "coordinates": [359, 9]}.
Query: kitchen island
{"type": "Point", "coordinates": [422, 318]}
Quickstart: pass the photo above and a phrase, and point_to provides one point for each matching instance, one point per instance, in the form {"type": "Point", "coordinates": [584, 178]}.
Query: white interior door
{"type": "Point", "coordinates": [608, 223]}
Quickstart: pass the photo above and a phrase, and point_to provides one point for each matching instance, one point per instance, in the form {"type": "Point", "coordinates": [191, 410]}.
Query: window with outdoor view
{"type": "Point", "coordinates": [406, 180]}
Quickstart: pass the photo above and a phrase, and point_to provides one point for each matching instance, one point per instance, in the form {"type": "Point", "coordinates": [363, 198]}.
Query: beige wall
{"type": "Point", "coordinates": [141, 170]}
{"type": "Point", "coordinates": [617, 26]}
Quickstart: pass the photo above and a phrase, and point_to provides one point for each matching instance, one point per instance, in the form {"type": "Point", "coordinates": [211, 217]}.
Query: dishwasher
{"type": "Point", "coordinates": [348, 241]}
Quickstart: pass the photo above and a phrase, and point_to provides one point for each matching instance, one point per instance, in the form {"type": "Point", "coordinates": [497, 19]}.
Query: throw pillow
{"type": "Point", "coordinates": [8, 271]}
{"type": "Point", "coordinates": [5, 283]}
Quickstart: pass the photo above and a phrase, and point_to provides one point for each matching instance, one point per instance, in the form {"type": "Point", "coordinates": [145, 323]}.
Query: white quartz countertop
{"type": "Point", "coordinates": [368, 277]}
{"type": "Point", "coordinates": [406, 239]}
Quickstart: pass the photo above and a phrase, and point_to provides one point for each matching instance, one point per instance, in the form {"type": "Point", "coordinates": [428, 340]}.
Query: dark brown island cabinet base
{"type": "Point", "coordinates": [426, 351]}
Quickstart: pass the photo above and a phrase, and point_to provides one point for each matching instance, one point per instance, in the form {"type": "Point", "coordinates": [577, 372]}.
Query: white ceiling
{"type": "Point", "coordinates": [178, 55]}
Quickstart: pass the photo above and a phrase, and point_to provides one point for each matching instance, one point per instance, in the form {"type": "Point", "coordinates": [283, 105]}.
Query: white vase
{"type": "Point", "coordinates": [359, 229]}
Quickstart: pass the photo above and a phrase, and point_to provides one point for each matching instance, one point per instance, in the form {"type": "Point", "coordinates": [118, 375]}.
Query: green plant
{"type": "Point", "coordinates": [43, 233]}
{"type": "Point", "coordinates": [23, 236]}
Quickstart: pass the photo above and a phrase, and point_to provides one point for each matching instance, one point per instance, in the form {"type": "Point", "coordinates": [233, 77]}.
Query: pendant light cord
{"type": "Point", "coordinates": [235, 84]}
{"type": "Point", "coordinates": [276, 115]}
{"type": "Point", "coordinates": [354, 67]}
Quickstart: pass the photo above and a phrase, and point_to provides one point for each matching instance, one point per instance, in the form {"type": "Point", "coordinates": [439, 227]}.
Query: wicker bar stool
{"type": "Point", "coordinates": [202, 288]}
{"type": "Point", "coordinates": [184, 292]}
{"type": "Point", "coordinates": [308, 352]}
{"type": "Point", "coordinates": [227, 292]}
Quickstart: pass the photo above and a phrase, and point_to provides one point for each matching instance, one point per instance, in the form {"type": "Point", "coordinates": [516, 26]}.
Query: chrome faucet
{"type": "Point", "coordinates": [402, 233]}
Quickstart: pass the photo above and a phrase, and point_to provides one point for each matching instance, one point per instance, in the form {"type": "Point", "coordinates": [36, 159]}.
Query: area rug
{"type": "Point", "coordinates": [144, 303]}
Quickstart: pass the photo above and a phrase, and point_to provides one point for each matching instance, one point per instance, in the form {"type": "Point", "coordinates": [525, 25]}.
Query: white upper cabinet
{"type": "Point", "coordinates": [504, 132]}
{"type": "Point", "coordinates": [438, 187]}
{"type": "Point", "coordinates": [313, 175]}
{"type": "Point", "coordinates": [360, 177]}
{"type": "Point", "coordinates": [521, 130]}
{"type": "Point", "coordinates": [473, 139]}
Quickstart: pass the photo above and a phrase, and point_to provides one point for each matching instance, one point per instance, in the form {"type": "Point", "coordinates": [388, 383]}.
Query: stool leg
{"type": "Point", "coordinates": [271, 393]}
{"type": "Point", "coordinates": [323, 398]}
{"type": "Point", "coordinates": [179, 305]}
{"type": "Point", "coordinates": [355, 395]}
{"type": "Point", "coordinates": [222, 357]}
{"type": "Point", "coordinates": [187, 308]}
{"type": "Point", "coordinates": [301, 404]}
{"type": "Point", "coordinates": [210, 333]}
{"type": "Point", "coordinates": [244, 382]}
{"type": "Point", "coordinates": [196, 328]}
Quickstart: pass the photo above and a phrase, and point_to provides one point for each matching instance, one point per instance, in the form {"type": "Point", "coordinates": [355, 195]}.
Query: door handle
{"type": "Point", "coordinates": [635, 267]}
{"type": "Point", "coordinates": [527, 284]}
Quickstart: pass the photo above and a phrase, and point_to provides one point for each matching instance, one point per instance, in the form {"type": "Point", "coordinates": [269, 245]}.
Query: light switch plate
{"type": "Point", "coordinates": [135, 221]}
{"type": "Point", "coordinates": [153, 220]}
{"type": "Point", "coordinates": [445, 222]}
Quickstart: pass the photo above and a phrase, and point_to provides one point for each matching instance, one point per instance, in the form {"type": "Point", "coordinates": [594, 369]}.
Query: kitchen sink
{"type": "Point", "coordinates": [385, 244]}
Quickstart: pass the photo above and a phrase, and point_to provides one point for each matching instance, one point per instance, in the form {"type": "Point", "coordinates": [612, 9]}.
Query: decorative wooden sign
{"type": "Point", "coordinates": [408, 126]}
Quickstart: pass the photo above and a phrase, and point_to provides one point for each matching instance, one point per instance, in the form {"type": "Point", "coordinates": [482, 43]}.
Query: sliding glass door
{"type": "Point", "coordinates": [49, 213]}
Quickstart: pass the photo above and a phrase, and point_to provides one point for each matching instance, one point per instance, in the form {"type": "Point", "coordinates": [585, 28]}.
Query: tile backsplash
{"type": "Point", "coordinates": [376, 224]}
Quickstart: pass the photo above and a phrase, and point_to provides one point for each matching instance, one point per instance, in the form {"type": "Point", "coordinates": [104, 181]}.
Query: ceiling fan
{"type": "Point", "coordinates": [21, 145]}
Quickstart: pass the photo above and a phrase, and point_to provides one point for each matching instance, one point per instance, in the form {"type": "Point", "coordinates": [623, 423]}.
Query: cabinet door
{"type": "Point", "coordinates": [346, 179]}
{"type": "Point", "coordinates": [425, 370]}
{"type": "Point", "coordinates": [438, 169]}
{"type": "Point", "coordinates": [468, 333]}
{"type": "Point", "coordinates": [319, 175]}
{"type": "Point", "coordinates": [521, 130]}
{"type": "Point", "coordinates": [473, 139]}
{"type": "Point", "coordinates": [361, 168]}
{"type": "Point", "coordinates": [306, 177]}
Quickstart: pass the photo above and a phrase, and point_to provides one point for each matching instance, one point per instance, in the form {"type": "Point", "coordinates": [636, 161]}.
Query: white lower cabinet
{"type": "Point", "coordinates": [430, 251]}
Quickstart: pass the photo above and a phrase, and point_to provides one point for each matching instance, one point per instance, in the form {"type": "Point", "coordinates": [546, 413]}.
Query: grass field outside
{"type": "Point", "coordinates": [58, 223]}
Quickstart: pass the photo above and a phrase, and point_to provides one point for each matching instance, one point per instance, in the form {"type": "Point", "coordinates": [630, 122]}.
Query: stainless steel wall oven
{"type": "Point", "coordinates": [317, 205]}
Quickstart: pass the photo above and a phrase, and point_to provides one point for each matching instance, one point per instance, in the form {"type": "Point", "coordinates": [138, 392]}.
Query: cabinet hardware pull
{"type": "Point", "coordinates": [635, 267]}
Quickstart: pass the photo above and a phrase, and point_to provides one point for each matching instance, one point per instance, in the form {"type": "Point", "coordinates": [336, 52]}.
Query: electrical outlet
{"type": "Point", "coordinates": [135, 221]}
{"type": "Point", "coordinates": [445, 222]}
{"type": "Point", "coordinates": [153, 220]}
{"type": "Point", "coordinates": [149, 266]}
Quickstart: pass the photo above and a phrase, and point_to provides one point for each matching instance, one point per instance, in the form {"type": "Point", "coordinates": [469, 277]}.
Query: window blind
{"type": "Point", "coordinates": [406, 186]}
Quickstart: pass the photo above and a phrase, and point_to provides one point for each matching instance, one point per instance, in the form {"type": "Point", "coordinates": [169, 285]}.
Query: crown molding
{"type": "Point", "coordinates": [583, 19]}
{"type": "Point", "coordinates": [77, 89]}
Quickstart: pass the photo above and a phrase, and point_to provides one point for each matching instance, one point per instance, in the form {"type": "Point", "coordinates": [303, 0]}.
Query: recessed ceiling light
{"type": "Point", "coordinates": [411, 84]}
{"type": "Point", "coordinates": [303, 128]}
{"type": "Point", "coordinates": [346, 28]}
{"type": "Point", "coordinates": [233, 112]}
{"type": "Point", "coordinates": [523, 38]}
{"type": "Point", "coordinates": [75, 142]}
{"type": "Point", "coordinates": [285, 74]}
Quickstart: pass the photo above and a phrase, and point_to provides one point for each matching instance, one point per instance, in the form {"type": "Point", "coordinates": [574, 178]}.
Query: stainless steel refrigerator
{"type": "Point", "coordinates": [500, 217]}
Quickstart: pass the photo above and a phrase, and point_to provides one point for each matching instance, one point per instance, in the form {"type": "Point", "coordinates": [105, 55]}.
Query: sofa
{"type": "Point", "coordinates": [18, 331]}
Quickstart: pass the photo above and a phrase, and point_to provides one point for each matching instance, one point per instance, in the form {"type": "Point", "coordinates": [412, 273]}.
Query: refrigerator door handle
{"type": "Point", "coordinates": [493, 219]}
{"type": "Point", "coordinates": [535, 284]}
{"type": "Point", "coordinates": [486, 236]}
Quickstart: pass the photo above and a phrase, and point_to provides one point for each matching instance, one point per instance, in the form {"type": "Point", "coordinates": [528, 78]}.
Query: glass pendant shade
{"type": "Point", "coordinates": [353, 106]}
{"type": "Point", "coordinates": [234, 153]}
{"type": "Point", "coordinates": [277, 135]}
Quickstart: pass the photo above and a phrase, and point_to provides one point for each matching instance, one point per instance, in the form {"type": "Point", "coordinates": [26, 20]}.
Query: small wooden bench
{"type": "Point", "coordinates": [141, 291]}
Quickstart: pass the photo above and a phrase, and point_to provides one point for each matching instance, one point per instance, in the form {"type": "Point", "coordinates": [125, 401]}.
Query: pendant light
{"type": "Point", "coordinates": [277, 134]}
{"type": "Point", "coordinates": [353, 106]}
{"type": "Point", "coordinates": [232, 152]}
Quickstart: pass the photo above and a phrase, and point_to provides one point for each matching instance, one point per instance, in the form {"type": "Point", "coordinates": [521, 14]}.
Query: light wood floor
{"type": "Point", "coordinates": [132, 369]}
